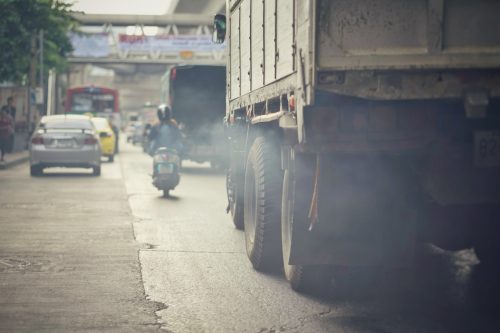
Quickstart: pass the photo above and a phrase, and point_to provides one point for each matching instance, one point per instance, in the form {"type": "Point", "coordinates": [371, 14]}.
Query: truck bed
{"type": "Point", "coordinates": [282, 46]}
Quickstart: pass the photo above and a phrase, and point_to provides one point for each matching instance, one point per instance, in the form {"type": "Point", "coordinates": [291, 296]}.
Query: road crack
{"type": "Point", "coordinates": [158, 306]}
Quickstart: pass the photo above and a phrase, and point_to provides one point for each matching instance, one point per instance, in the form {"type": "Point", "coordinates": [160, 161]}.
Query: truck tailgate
{"type": "Point", "coordinates": [419, 34]}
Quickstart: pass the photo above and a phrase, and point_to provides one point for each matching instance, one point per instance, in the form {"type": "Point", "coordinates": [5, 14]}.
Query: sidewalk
{"type": "Point", "coordinates": [14, 159]}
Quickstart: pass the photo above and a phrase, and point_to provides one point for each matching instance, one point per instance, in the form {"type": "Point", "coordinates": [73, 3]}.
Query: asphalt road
{"type": "Point", "coordinates": [82, 253]}
{"type": "Point", "coordinates": [68, 257]}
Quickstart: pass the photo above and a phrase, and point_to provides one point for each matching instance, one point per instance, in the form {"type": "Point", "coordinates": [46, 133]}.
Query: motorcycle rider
{"type": "Point", "coordinates": [166, 133]}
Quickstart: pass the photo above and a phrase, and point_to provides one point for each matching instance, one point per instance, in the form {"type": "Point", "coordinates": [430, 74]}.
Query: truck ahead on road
{"type": "Point", "coordinates": [196, 96]}
{"type": "Point", "coordinates": [359, 128]}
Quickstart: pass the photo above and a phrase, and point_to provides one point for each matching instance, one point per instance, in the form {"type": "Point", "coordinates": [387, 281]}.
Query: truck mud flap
{"type": "Point", "coordinates": [366, 213]}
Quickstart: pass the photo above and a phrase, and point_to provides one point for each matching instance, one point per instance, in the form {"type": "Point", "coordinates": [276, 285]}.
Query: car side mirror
{"type": "Point", "coordinates": [219, 35]}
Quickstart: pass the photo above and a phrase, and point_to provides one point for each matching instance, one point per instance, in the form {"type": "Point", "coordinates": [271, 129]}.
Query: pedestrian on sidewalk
{"type": "Point", "coordinates": [10, 108]}
{"type": "Point", "coordinates": [6, 131]}
{"type": "Point", "coordinates": [11, 111]}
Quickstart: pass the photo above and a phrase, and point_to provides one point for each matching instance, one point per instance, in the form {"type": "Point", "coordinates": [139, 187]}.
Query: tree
{"type": "Point", "coordinates": [20, 23]}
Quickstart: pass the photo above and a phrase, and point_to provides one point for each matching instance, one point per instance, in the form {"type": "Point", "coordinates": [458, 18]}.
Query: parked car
{"type": "Point", "coordinates": [65, 141]}
{"type": "Point", "coordinates": [107, 137]}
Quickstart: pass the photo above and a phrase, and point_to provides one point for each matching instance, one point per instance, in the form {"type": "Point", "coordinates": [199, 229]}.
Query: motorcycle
{"type": "Point", "coordinates": [166, 165]}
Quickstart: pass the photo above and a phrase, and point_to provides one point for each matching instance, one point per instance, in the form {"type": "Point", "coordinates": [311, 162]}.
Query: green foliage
{"type": "Point", "coordinates": [20, 23]}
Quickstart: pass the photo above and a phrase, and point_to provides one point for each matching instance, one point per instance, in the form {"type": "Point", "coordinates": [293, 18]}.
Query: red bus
{"type": "Point", "coordinates": [98, 101]}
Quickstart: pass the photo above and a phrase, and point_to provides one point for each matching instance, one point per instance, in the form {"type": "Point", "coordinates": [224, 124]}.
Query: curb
{"type": "Point", "coordinates": [14, 162]}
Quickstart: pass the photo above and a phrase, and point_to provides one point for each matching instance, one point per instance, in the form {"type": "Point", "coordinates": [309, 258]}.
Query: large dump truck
{"type": "Point", "coordinates": [196, 96]}
{"type": "Point", "coordinates": [359, 128]}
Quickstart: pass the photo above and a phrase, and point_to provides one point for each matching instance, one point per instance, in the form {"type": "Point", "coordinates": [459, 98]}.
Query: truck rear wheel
{"type": "Point", "coordinates": [262, 197]}
{"type": "Point", "coordinates": [301, 277]}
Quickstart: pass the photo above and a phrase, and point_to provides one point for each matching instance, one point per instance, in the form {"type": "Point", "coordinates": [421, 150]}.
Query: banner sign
{"type": "Point", "coordinates": [102, 45]}
{"type": "Point", "coordinates": [168, 43]}
{"type": "Point", "coordinates": [90, 45]}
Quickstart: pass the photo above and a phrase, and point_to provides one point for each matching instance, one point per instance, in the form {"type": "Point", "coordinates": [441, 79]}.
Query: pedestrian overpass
{"type": "Point", "coordinates": [146, 39]}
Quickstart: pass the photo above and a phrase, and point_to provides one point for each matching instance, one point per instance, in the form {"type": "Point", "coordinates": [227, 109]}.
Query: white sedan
{"type": "Point", "coordinates": [65, 141]}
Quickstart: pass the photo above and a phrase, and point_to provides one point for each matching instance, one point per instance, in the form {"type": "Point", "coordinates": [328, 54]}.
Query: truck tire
{"type": "Point", "coordinates": [96, 171]}
{"type": "Point", "coordinates": [262, 197]}
{"type": "Point", "coordinates": [36, 170]}
{"type": "Point", "coordinates": [302, 278]}
{"type": "Point", "coordinates": [235, 201]}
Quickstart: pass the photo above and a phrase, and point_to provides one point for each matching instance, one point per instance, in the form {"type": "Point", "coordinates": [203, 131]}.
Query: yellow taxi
{"type": "Point", "coordinates": [107, 137]}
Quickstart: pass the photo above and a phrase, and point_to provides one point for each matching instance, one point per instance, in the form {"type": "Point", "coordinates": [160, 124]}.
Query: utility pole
{"type": "Point", "coordinates": [32, 82]}
{"type": "Point", "coordinates": [57, 100]}
{"type": "Point", "coordinates": [51, 91]}
{"type": "Point", "coordinates": [42, 78]}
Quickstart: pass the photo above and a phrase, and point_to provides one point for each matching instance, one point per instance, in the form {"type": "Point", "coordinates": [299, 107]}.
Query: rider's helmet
{"type": "Point", "coordinates": [164, 113]}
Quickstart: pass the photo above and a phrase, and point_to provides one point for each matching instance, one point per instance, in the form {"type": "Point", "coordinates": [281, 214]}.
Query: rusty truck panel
{"type": "Point", "coordinates": [245, 47]}
{"type": "Point", "coordinates": [269, 43]}
{"type": "Point", "coordinates": [285, 44]}
{"type": "Point", "coordinates": [262, 37]}
{"type": "Point", "coordinates": [234, 45]}
{"type": "Point", "coordinates": [420, 34]}
{"type": "Point", "coordinates": [257, 56]}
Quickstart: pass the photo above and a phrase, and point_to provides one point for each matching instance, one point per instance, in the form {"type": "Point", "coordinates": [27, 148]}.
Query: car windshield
{"type": "Point", "coordinates": [100, 124]}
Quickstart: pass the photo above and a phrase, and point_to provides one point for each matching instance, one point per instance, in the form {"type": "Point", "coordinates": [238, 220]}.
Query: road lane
{"type": "Point", "coordinates": [68, 258]}
{"type": "Point", "coordinates": [194, 262]}
{"type": "Point", "coordinates": [68, 261]}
